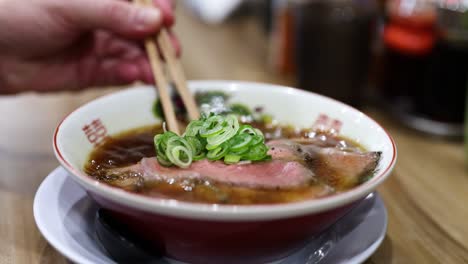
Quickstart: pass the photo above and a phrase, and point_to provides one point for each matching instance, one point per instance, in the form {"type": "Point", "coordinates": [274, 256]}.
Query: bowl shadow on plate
{"type": "Point", "coordinates": [120, 244]}
{"type": "Point", "coordinates": [124, 247]}
{"type": "Point", "coordinates": [76, 225]}
{"type": "Point", "coordinates": [318, 249]}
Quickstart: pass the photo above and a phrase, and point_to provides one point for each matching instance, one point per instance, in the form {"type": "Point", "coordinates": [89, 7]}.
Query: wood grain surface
{"type": "Point", "coordinates": [426, 197]}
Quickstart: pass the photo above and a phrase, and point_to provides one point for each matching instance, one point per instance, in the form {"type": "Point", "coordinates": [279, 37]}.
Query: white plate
{"type": "Point", "coordinates": [65, 216]}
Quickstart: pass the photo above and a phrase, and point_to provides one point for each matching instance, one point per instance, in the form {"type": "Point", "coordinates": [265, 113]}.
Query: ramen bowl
{"type": "Point", "coordinates": [215, 233]}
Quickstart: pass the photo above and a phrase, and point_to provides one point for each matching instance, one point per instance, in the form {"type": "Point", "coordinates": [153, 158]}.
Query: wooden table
{"type": "Point", "coordinates": [426, 196]}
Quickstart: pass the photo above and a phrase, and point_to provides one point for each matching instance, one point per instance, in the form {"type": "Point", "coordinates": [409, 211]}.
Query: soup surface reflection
{"type": "Point", "coordinates": [129, 148]}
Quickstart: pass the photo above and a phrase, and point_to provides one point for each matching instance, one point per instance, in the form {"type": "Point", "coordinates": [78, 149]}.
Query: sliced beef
{"type": "Point", "coordinates": [341, 169]}
{"type": "Point", "coordinates": [267, 175]}
{"type": "Point", "coordinates": [295, 163]}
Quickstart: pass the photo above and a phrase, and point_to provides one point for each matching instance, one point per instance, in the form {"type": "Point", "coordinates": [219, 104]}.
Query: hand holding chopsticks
{"type": "Point", "coordinates": [175, 70]}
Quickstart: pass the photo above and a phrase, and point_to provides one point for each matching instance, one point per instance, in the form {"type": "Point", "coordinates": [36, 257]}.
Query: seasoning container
{"type": "Point", "coordinates": [282, 48]}
{"type": "Point", "coordinates": [426, 65]}
{"type": "Point", "coordinates": [333, 40]}
{"type": "Point", "coordinates": [466, 133]}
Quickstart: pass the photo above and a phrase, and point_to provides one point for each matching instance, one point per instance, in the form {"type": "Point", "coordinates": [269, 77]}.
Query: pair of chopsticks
{"type": "Point", "coordinates": [175, 70]}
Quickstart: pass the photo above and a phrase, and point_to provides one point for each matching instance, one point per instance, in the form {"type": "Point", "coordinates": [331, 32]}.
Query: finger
{"type": "Point", "coordinates": [146, 75]}
{"type": "Point", "coordinates": [128, 72]}
{"type": "Point", "coordinates": [131, 56]}
{"type": "Point", "coordinates": [114, 72]}
{"type": "Point", "coordinates": [166, 7]}
{"type": "Point", "coordinates": [119, 17]}
{"type": "Point", "coordinates": [118, 47]}
{"type": "Point", "coordinates": [124, 72]}
{"type": "Point", "coordinates": [176, 43]}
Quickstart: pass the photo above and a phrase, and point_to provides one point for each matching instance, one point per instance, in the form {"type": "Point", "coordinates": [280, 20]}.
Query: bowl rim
{"type": "Point", "coordinates": [219, 212]}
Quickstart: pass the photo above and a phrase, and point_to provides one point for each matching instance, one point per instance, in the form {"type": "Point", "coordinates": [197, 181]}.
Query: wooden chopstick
{"type": "Point", "coordinates": [161, 82]}
{"type": "Point", "coordinates": [177, 73]}
{"type": "Point", "coordinates": [175, 70]}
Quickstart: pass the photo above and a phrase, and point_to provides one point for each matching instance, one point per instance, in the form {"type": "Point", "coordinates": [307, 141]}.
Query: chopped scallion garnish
{"type": "Point", "coordinates": [214, 137]}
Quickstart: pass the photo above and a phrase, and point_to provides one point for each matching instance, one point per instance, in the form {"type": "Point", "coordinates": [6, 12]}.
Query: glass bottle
{"type": "Point", "coordinates": [425, 66]}
{"type": "Point", "coordinates": [333, 43]}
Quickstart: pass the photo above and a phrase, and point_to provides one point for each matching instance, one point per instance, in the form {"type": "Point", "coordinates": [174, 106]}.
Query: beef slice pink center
{"type": "Point", "coordinates": [293, 164]}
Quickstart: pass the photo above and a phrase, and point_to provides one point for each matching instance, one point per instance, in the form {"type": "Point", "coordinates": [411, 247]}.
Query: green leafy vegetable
{"type": "Point", "coordinates": [211, 97]}
{"type": "Point", "coordinates": [240, 109]}
{"type": "Point", "coordinates": [157, 109]}
{"type": "Point", "coordinates": [216, 102]}
{"type": "Point", "coordinates": [214, 137]}
{"type": "Point", "coordinates": [179, 107]}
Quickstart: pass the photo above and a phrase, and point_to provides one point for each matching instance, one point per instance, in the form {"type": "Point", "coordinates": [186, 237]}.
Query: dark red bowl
{"type": "Point", "coordinates": [204, 241]}
{"type": "Point", "coordinates": [204, 233]}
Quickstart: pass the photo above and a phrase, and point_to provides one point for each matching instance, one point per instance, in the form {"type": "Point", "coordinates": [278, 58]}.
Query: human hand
{"type": "Point", "coordinates": [49, 45]}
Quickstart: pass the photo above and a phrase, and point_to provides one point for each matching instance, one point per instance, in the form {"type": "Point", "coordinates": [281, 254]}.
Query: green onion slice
{"type": "Point", "coordinates": [257, 139]}
{"type": "Point", "coordinates": [240, 141]}
{"type": "Point", "coordinates": [230, 129]}
{"type": "Point", "coordinates": [218, 152]}
{"type": "Point", "coordinates": [247, 129]}
{"type": "Point", "coordinates": [231, 158]}
{"type": "Point", "coordinates": [256, 153]}
{"type": "Point", "coordinates": [197, 146]}
{"type": "Point", "coordinates": [214, 137]}
{"type": "Point", "coordinates": [179, 151]}
{"type": "Point", "coordinates": [212, 126]}
{"type": "Point", "coordinates": [193, 128]}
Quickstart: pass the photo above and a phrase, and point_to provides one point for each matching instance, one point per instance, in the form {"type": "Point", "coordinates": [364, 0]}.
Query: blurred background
{"type": "Point", "coordinates": [407, 57]}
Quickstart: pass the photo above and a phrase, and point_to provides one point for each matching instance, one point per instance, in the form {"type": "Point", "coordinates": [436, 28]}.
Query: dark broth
{"type": "Point", "coordinates": [130, 147]}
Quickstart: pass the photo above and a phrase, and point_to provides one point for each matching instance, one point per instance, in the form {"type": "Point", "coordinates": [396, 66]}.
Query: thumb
{"type": "Point", "coordinates": [119, 17]}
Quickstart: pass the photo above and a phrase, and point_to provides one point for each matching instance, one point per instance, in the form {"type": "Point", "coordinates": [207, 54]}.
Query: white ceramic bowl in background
{"type": "Point", "coordinates": [205, 232]}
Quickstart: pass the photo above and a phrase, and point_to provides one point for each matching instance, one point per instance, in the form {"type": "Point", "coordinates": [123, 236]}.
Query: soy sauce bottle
{"type": "Point", "coordinates": [333, 44]}
{"type": "Point", "coordinates": [425, 66]}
